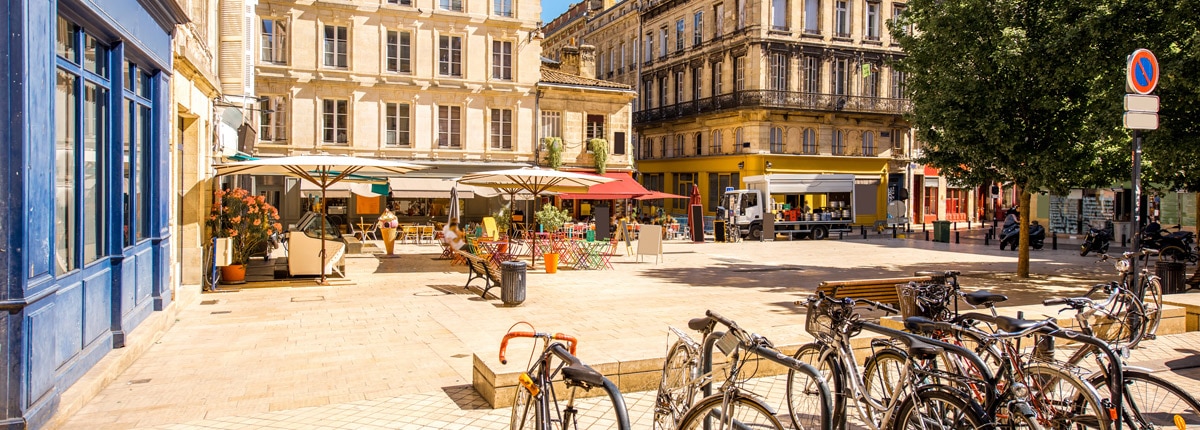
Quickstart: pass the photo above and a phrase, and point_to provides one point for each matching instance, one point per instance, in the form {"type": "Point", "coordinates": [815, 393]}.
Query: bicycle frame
{"type": "Point", "coordinates": [538, 381]}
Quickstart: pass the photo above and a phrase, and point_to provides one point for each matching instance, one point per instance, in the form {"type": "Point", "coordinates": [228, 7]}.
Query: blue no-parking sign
{"type": "Point", "coordinates": [1142, 73]}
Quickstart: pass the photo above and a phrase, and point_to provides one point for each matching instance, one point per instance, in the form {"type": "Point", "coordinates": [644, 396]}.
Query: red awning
{"type": "Point", "coordinates": [624, 187]}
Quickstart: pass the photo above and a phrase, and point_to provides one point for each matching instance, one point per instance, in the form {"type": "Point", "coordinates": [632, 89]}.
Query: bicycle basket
{"type": "Point", "coordinates": [925, 300]}
{"type": "Point", "coordinates": [819, 323]}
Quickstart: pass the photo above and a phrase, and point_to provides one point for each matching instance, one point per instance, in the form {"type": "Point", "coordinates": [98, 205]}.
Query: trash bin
{"type": "Point", "coordinates": [941, 231]}
{"type": "Point", "coordinates": [1172, 276]}
{"type": "Point", "coordinates": [719, 230]}
{"type": "Point", "coordinates": [512, 282]}
{"type": "Point", "coordinates": [591, 235]}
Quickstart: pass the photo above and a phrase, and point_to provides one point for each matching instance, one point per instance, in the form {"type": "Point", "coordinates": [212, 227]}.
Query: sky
{"type": "Point", "coordinates": [553, 8]}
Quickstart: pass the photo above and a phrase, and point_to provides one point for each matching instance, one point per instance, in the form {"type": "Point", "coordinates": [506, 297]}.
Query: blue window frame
{"type": "Point", "coordinates": [137, 137]}
{"type": "Point", "coordinates": [83, 85]}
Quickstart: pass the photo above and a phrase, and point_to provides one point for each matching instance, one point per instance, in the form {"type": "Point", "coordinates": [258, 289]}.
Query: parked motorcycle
{"type": "Point", "coordinates": [1172, 246]}
{"type": "Point", "coordinates": [1097, 239]}
{"type": "Point", "coordinates": [1010, 235]}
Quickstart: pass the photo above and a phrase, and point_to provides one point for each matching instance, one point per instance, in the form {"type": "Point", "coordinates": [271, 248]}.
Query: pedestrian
{"type": "Point", "coordinates": [454, 235]}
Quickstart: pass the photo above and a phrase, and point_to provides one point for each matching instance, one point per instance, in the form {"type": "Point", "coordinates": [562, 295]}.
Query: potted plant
{"type": "Point", "coordinates": [504, 220]}
{"type": "Point", "coordinates": [553, 152]}
{"type": "Point", "coordinates": [599, 150]}
{"type": "Point", "coordinates": [551, 219]}
{"type": "Point", "coordinates": [249, 221]}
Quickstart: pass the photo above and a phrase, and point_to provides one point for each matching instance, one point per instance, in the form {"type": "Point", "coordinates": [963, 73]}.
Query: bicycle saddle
{"type": "Point", "coordinates": [700, 324]}
{"type": "Point", "coordinates": [977, 298]}
{"type": "Point", "coordinates": [582, 373]}
{"type": "Point", "coordinates": [920, 324]}
{"type": "Point", "coordinates": [1006, 324]}
{"type": "Point", "coordinates": [922, 351]}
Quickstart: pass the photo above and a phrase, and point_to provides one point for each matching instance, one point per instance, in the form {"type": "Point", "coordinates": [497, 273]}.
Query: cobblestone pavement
{"type": "Point", "coordinates": [392, 345]}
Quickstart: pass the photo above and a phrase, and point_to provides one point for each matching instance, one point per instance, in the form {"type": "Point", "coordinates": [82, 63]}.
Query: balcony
{"type": "Point", "coordinates": [768, 99]}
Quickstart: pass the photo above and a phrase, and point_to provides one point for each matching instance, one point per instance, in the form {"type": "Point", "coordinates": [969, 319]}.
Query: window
{"type": "Point", "coordinates": [662, 92]}
{"type": "Point", "coordinates": [677, 150]}
{"type": "Point", "coordinates": [621, 65]}
{"type": "Point", "coordinates": [739, 73]}
{"type": "Point", "coordinates": [138, 127]}
{"type": "Point", "coordinates": [809, 143]}
{"type": "Point", "coordinates": [649, 47]}
{"type": "Point", "coordinates": [502, 128]}
{"type": "Point", "coordinates": [551, 124]}
{"type": "Point", "coordinates": [662, 52]}
{"type": "Point", "coordinates": [397, 121]}
{"type": "Point", "coordinates": [450, 55]}
{"type": "Point", "coordinates": [812, 17]}
{"type": "Point", "coordinates": [449, 127]}
{"type": "Point", "coordinates": [839, 144]}
{"type": "Point", "coordinates": [679, 35]}
{"type": "Point", "coordinates": [698, 29]}
{"type": "Point", "coordinates": [697, 74]}
{"type": "Point", "coordinates": [501, 8]}
{"type": "Point", "coordinates": [679, 87]}
{"type": "Point", "coordinates": [841, 18]}
{"type": "Point", "coordinates": [683, 186]}
{"type": "Point", "coordinates": [272, 124]}
{"type": "Point", "coordinates": [779, 15]}
{"type": "Point", "coordinates": [399, 51]}
{"type": "Point", "coordinates": [741, 14]}
{"type": "Point", "coordinates": [648, 94]}
{"type": "Point", "coordinates": [737, 139]}
{"type": "Point", "coordinates": [335, 46]}
{"type": "Point", "coordinates": [612, 61]}
{"type": "Point", "coordinates": [898, 11]}
{"type": "Point", "coordinates": [714, 144]}
{"type": "Point", "coordinates": [501, 60]}
{"type": "Point", "coordinates": [868, 143]}
{"type": "Point", "coordinates": [779, 72]}
{"type": "Point", "coordinates": [400, 2]}
{"type": "Point", "coordinates": [81, 138]}
{"type": "Point", "coordinates": [870, 81]}
{"type": "Point", "coordinates": [717, 182]}
{"type": "Point", "coordinates": [872, 24]}
{"type": "Point", "coordinates": [698, 148]}
{"type": "Point", "coordinates": [595, 127]}
{"type": "Point", "coordinates": [776, 140]}
{"type": "Point", "coordinates": [812, 74]}
{"type": "Point", "coordinates": [619, 143]}
{"type": "Point", "coordinates": [717, 85]}
{"type": "Point", "coordinates": [454, 5]}
{"type": "Point", "coordinates": [841, 76]}
{"type": "Point", "coordinates": [718, 20]}
{"type": "Point", "coordinates": [274, 41]}
{"type": "Point", "coordinates": [899, 84]}
{"type": "Point", "coordinates": [335, 117]}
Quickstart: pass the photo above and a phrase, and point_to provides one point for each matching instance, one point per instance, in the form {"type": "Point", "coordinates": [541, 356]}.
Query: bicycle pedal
{"type": "Point", "coordinates": [1150, 336]}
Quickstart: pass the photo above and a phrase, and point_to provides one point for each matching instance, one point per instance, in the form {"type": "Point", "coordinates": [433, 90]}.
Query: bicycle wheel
{"type": "Point", "coordinates": [1062, 400]}
{"type": "Point", "coordinates": [881, 377]}
{"type": "Point", "coordinates": [830, 370]}
{"type": "Point", "coordinates": [934, 408]}
{"type": "Point", "coordinates": [809, 400]}
{"type": "Point", "coordinates": [681, 367]}
{"type": "Point", "coordinates": [524, 411]}
{"type": "Point", "coordinates": [1152, 301]}
{"type": "Point", "coordinates": [1122, 323]}
{"type": "Point", "coordinates": [1156, 401]}
{"type": "Point", "coordinates": [741, 413]}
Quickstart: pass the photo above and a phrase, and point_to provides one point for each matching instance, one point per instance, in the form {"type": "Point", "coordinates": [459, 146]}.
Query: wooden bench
{"type": "Point", "coordinates": [480, 268]}
{"type": "Point", "coordinates": [881, 290]}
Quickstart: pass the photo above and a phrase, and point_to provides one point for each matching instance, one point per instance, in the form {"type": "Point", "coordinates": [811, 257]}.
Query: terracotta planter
{"type": "Point", "coordinates": [233, 274]}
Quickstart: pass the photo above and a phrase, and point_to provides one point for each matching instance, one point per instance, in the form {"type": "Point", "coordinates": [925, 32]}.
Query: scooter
{"type": "Point", "coordinates": [1010, 235]}
{"type": "Point", "coordinates": [1097, 239]}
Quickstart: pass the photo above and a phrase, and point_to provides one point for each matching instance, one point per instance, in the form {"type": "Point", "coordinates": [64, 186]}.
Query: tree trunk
{"type": "Point", "coordinates": [1023, 254]}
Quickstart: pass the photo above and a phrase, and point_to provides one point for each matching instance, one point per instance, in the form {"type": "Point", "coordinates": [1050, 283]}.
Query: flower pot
{"type": "Point", "coordinates": [389, 239]}
{"type": "Point", "coordinates": [233, 274]}
{"type": "Point", "coordinates": [551, 262]}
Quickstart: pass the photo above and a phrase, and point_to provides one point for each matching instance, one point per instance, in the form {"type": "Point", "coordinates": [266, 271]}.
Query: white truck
{"type": "Point", "coordinates": [786, 197]}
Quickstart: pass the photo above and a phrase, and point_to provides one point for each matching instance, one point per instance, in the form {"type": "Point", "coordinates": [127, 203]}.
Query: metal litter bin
{"type": "Point", "coordinates": [941, 231]}
{"type": "Point", "coordinates": [1172, 275]}
{"type": "Point", "coordinates": [512, 282]}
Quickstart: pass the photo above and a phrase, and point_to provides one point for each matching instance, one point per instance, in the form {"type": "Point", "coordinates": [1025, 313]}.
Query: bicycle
{"type": "Point", "coordinates": [1148, 292]}
{"type": "Point", "coordinates": [688, 371]}
{"type": "Point", "coordinates": [911, 399]}
{"type": "Point", "coordinates": [536, 403]}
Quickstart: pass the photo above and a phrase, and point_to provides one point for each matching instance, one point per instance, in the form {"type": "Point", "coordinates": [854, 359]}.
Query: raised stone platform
{"type": "Point", "coordinates": [1189, 302]}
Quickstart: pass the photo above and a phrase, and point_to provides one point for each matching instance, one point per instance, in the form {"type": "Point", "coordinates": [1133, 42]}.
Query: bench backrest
{"type": "Point", "coordinates": [881, 290]}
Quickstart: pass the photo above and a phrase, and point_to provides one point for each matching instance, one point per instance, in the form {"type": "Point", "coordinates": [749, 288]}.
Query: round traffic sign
{"type": "Point", "coordinates": [1142, 73]}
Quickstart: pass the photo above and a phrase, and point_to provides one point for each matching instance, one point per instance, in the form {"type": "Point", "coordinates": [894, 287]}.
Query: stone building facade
{"type": "Point", "coordinates": [575, 107]}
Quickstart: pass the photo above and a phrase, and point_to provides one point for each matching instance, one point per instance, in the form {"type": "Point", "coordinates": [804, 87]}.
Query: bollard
{"type": "Point", "coordinates": [955, 237]}
{"type": "Point", "coordinates": [1054, 241]}
{"type": "Point", "coordinates": [954, 225]}
{"type": "Point", "coordinates": [863, 229]}
{"type": "Point", "coordinates": [926, 236]}
{"type": "Point", "coordinates": [968, 224]}
{"type": "Point", "coordinates": [1122, 240]}
{"type": "Point", "coordinates": [986, 239]}
{"type": "Point", "coordinates": [923, 227]}
{"type": "Point", "coordinates": [907, 228]}
{"type": "Point", "coordinates": [893, 231]}
{"type": "Point", "coordinates": [840, 234]}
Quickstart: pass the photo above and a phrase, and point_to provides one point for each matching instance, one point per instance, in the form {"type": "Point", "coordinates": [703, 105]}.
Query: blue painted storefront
{"type": "Point", "coordinates": [84, 176]}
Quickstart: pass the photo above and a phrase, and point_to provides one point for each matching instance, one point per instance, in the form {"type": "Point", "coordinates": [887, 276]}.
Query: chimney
{"type": "Point", "coordinates": [587, 61]}
{"type": "Point", "coordinates": [570, 60]}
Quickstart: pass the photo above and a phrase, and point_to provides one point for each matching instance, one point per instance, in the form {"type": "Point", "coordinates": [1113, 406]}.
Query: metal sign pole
{"type": "Point", "coordinates": [1136, 228]}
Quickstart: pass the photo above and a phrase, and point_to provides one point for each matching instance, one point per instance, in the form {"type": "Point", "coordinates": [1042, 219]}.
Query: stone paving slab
{"type": "Point", "coordinates": [395, 347]}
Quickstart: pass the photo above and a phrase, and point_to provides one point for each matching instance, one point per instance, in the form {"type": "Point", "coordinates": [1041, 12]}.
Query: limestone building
{"type": "Point", "coordinates": [729, 89]}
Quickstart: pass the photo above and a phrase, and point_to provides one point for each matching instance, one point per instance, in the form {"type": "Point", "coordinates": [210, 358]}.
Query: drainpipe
{"type": "Point", "coordinates": [537, 124]}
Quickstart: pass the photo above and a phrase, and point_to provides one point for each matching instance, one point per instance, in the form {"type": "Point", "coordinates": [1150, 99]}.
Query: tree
{"type": "Point", "coordinates": [1022, 91]}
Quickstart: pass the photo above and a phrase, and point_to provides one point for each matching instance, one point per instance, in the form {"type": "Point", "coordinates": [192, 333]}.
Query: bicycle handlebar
{"type": "Point", "coordinates": [848, 300]}
{"type": "Point", "coordinates": [571, 340]}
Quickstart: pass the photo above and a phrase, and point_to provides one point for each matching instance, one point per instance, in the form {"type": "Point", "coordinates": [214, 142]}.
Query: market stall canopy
{"type": "Point", "coordinates": [655, 195]}
{"type": "Point", "coordinates": [622, 187]}
{"type": "Point", "coordinates": [431, 188]}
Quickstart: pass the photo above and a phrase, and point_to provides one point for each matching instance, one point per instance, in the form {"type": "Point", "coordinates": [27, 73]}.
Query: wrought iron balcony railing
{"type": "Point", "coordinates": [776, 100]}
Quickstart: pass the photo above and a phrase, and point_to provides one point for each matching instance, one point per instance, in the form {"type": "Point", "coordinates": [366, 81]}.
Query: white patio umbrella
{"type": "Point", "coordinates": [322, 170]}
{"type": "Point", "coordinates": [535, 181]}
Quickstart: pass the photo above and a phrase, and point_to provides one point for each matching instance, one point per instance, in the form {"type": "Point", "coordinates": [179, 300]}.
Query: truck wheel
{"type": "Point", "coordinates": [819, 233]}
{"type": "Point", "coordinates": [755, 232]}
